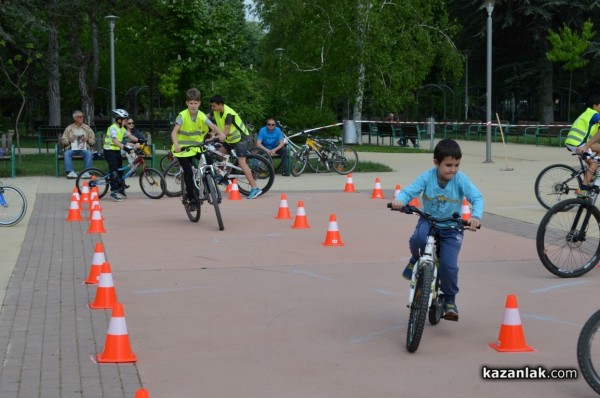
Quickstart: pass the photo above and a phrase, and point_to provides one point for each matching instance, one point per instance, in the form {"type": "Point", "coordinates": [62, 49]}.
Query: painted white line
{"type": "Point", "coordinates": [551, 319]}
{"type": "Point", "coordinates": [312, 274]}
{"type": "Point", "coordinates": [559, 286]}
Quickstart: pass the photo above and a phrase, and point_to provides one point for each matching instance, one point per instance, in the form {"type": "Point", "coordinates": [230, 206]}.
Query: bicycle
{"type": "Point", "coordinates": [588, 354]}
{"type": "Point", "coordinates": [227, 167]}
{"type": "Point", "coordinates": [13, 205]}
{"type": "Point", "coordinates": [425, 297]}
{"type": "Point", "coordinates": [205, 180]}
{"type": "Point", "coordinates": [151, 180]}
{"type": "Point", "coordinates": [558, 182]}
{"type": "Point", "coordinates": [568, 237]}
{"type": "Point", "coordinates": [327, 156]}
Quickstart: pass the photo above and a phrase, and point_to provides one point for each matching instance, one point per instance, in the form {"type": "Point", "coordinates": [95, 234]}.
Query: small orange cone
{"type": "Point", "coordinates": [397, 191]}
{"type": "Point", "coordinates": [377, 192]}
{"type": "Point", "coordinates": [97, 261]}
{"type": "Point", "coordinates": [95, 205]}
{"type": "Point", "coordinates": [284, 210]}
{"type": "Point", "coordinates": [465, 210]}
{"type": "Point", "coordinates": [300, 221]}
{"type": "Point", "coordinates": [74, 211]}
{"type": "Point", "coordinates": [106, 295]}
{"type": "Point", "coordinates": [142, 393]}
{"type": "Point", "coordinates": [76, 193]}
{"type": "Point", "coordinates": [96, 224]}
{"type": "Point", "coordinates": [85, 194]}
{"type": "Point", "coordinates": [228, 188]}
{"type": "Point", "coordinates": [414, 202]}
{"type": "Point", "coordinates": [333, 233]}
{"type": "Point", "coordinates": [349, 184]}
{"type": "Point", "coordinates": [234, 194]}
{"type": "Point", "coordinates": [511, 337]}
{"type": "Point", "coordinates": [117, 348]}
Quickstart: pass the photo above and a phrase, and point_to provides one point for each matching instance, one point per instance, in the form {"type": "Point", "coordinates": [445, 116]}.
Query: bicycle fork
{"type": "Point", "coordinates": [426, 259]}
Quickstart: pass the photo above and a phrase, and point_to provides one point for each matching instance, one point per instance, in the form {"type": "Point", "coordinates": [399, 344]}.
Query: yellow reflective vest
{"type": "Point", "coordinates": [578, 135]}
{"type": "Point", "coordinates": [191, 133]}
{"type": "Point", "coordinates": [108, 141]}
{"type": "Point", "coordinates": [237, 128]}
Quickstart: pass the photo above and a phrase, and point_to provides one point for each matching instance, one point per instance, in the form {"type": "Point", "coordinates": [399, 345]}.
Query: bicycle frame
{"type": "Point", "coordinates": [428, 257]}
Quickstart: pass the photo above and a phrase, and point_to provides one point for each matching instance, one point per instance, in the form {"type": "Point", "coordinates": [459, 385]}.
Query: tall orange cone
{"type": "Point", "coordinates": [465, 210]}
{"type": "Point", "coordinates": [106, 295]}
{"type": "Point", "coordinates": [397, 191]}
{"type": "Point", "coordinates": [97, 261]}
{"type": "Point", "coordinates": [117, 348]}
{"type": "Point", "coordinates": [349, 184]}
{"type": "Point", "coordinates": [142, 393]}
{"type": "Point", "coordinates": [300, 221]}
{"type": "Point", "coordinates": [333, 233]}
{"type": "Point", "coordinates": [284, 210]}
{"type": "Point", "coordinates": [96, 224]}
{"type": "Point", "coordinates": [234, 194]}
{"type": "Point", "coordinates": [74, 211]}
{"type": "Point", "coordinates": [228, 188]}
{"type": "Point", "coordinates": [511, 337]}
{"type": "Point", "coordinates": [377, 192]}
{"type": "Point", "coordinates": [85, 194]}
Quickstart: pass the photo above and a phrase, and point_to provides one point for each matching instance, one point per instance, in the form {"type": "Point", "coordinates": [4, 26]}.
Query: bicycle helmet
{"type": "Point", "coordinates": [120, 113]}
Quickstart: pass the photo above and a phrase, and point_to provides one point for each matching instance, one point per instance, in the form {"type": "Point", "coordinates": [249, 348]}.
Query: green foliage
{"type": "Point", "coordinates": [568, 46]}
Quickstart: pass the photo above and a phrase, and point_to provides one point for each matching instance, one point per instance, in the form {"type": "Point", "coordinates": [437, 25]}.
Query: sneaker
{"type": "Point", "coordinates": [192, 205]}
{"type": "Point", "coordinates": [122, 194]}
{"type": "Point", "coordinates": [254, 193]}
{"type": "Point", "coordinates": [581, 193]}
{"type": "Point", "coordinates": [86, 176]}
{"type": "Point", "coordinates": [115, 195]}
{"type": "Point", "coordinates": [407, 273]}
{"type": "Point", "coordinates": [71, 175]}
{"type": "Point", "coordinates": [450, 311]}
{"type": "Point", "coordinates": [285, 174]}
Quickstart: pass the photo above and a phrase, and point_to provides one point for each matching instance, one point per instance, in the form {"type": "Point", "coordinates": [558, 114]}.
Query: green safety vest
{"type": "Point", "coordinates": [578, 135]}
{"type": "Point", "coordinates": [237, 128]}
{"type": "Point", "coordinates": [190, 133]}
{"type": "Point", "coordinates": [108, 144]}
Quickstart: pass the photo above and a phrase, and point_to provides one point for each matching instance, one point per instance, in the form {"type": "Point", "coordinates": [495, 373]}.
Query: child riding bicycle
{"type": "Point", "coordinates": [443, 188]}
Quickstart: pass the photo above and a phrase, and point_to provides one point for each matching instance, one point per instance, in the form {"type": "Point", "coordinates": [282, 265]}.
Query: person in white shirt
{"type": "Point", "coordinates": [78, 140]}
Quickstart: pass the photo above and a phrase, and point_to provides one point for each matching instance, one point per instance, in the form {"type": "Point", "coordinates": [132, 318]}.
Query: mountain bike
{"type": "Point", "coordinates": [228, 168]}
{"type": "Point", "coordinates": [13, 205]}
{"type": "Point", "coordinates": [588, 353]}
{"type": "Point", "coordinates": [425, 297]}
{"type": "Point", "coordinates": [151, 180]}
{"type": "Point", "coordinates": [323, 155]}
{"type": "Point", "coordinates": [558, 182]}
{"type": "Point", "coordinates": [568, 237]}
{"type": "Point", "coordinates": [205, 181]}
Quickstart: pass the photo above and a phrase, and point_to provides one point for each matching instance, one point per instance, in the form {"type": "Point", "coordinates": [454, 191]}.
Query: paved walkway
{"type": "Point", "coordinates": [262, 309]}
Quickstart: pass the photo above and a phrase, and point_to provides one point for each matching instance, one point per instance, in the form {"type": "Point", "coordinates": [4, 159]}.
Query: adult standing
{"type": "Point", "coordinates": [270, 139]}
{"type": "Point", "coordinates": [78, 140]}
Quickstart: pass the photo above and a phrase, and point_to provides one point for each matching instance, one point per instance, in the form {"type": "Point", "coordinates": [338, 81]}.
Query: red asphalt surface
{"type": "Point", "coordinates": [264, 310]}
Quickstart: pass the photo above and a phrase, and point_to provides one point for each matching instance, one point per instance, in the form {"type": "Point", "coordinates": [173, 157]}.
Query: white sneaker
{"type": "Point", "coordinates": [71, 175]}
{"type": "Point", "coordinates": [86, 176]}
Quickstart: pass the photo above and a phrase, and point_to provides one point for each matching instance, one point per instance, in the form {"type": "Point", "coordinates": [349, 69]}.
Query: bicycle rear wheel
{"type": "Point", "coordinates": [567, 244]}
{"type": "Point", "coordinates": [193, 215]}
{"type": "Point", "coordinates": [13, 205]}
{"type": "Point", "coordinates": [261, 170]}
{"type": "Point", "coordinates": [214, 199]}
{"type": "Point", "coordinates": [556, 183]}
{"type": "Point", "coordinates": [344, 159]}
{"type": "Point", "coordinates": [165, 161]}
{"type": "Point", "coordinates": [173, 175]}
{"type": "Point", "coordinates": [99, 178]}
{"type": "Point", "coordinates": [419, 307]}
{"type": "Point", "coordinates": [588, 353]}
{"type": "Point", "coordinates": [152, 183]}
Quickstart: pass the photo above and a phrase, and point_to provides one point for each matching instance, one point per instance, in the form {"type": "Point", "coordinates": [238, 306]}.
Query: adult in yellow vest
{"type": "Point", "coordinates": [583, 137]}
{"type": "Point", "coordinates": [191, 127]}
{"type": "Point", "coordinates": [235, 135]}
{"type": "Point", "coordinates": [113, 144]}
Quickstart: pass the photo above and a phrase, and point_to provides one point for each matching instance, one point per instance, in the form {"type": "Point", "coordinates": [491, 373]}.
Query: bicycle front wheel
{"type": "Point", "coordinates": [299, 160]}
{"type": "Point", "coordinates": [556, 183]}
{"type": "Point", "coordinates": [165, 161]}
{"type": "Point", "coordinates": [192, 213]}
{"type": "Point", "coordinates": [568, 238]}
{"type": "Point", "coordinates": [262, 173]}
{"type": "Point", "coordinates": [588, 353]}
{"type": "Point", "coordinates": [99, 178]}
{"type": "Point", "coordinates": [173, 175]}
{"type": "Point", "coordinates": [214, 199]}
{"type": "Point", "coordinates": [344, 160]}
{"type": "Point", "coordinates": [419, 307]}
{"type": "Point", "coordinates": [13, 205]}
{"type": "Point", "coordinates": [152, 183]}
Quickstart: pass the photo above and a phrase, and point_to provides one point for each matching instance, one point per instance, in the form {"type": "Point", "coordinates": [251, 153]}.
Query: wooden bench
{"type": "Point", "coordinates": [508, 130]}
{"type": "Point", "coordinates": [409, 132]}
{"type": "Point", "coordinates": [49, 135]}
{"type": "Point", "coordinates": [551, 132]}
{"type": "Point", "coordinates": [383, 130]}
{"type": "Point", "coordinates": [8, 153]}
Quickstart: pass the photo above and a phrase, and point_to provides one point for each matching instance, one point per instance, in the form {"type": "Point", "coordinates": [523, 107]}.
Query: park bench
{"type": "Point", "coordinates": [49, 135]}
{"type": "Point", "coordinates": [382, 130]}
{"type": "Point", "coordinates": [409, 132]}
{"type": "Point", "coordinates": [552, 132]}
{"type": "Point", "coordinates": [7, 155]}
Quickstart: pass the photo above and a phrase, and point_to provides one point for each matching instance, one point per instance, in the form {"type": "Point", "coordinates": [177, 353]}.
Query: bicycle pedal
{"type": "Point", "coordinates": [449, 317]}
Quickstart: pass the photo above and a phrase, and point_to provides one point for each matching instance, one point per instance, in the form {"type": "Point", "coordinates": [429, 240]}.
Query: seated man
{"type": "Point", "coordinates": [78, 140]}
{"type": "Point", "coordinates": [271, 139]}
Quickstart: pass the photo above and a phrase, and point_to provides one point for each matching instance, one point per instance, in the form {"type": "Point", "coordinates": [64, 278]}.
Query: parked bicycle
{"type": "Point", "coordinates": [558, 182]}
{"type": "Point", "coordinates": [13, 205]}
{"type": "Point", "coordinates": [425, 297]}
{"type": "Point", "coordinates": [588, 352]}
{"type": "Point", "coordinates": [323, 155]}
{"type": "Point", "coordinates": [568, 237]}
{"type": "Point", "coordinates": [228, 168]}
{"type": "Point", "coordinates": [151, 180]}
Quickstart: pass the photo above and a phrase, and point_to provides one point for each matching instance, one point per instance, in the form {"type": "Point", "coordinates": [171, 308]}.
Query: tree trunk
{"type": "Point", "coordinates": [54, 114]}
{"type": "Point", "coordinates": [545, 93]}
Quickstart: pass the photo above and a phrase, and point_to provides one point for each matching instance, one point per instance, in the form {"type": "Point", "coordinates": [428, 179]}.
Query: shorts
{"type": "Point", "coordinates": [241, 147]}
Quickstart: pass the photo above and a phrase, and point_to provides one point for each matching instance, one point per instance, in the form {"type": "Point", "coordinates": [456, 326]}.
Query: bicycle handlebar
{"type": "Point", "coordinates": [412, 210]}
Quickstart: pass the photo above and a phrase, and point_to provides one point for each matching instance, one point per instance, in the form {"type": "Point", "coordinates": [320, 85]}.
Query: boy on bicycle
{"type": "Point", "coordinates": [191, 127]}
{"type": "Point", "coordinates": [113, 145]}
{"type": "Point", "coordinates": [443, 188]}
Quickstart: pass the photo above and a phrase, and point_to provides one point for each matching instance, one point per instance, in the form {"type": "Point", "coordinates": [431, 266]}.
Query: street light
{"type": "Point", "coordinates": [489, 6]}
{"type": "Point", "coordinates": [466, 52]}
{"type": "Point", "coordinates": [280, 51]}
{"type": "Point", "coordinates": [112, 19]}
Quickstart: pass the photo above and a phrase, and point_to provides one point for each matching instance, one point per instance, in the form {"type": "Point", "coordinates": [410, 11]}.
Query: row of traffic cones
{"type": "Point", "coordinates": [95, 214]}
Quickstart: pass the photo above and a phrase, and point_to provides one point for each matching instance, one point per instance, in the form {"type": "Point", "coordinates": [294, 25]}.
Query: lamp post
{"type": "Point", "coordinates": [112, 19]}
{"type": "Point", "coordinates": [466, 52]}
{"type": "Point", "coordinates": [489, 6]}
{"type": "Point", "coordinates": [280, 52]}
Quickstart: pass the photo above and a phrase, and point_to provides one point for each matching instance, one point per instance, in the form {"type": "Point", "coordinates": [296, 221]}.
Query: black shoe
{"type": "Point", "coordinates": [193, 205]}
{"type": "Point", "coordinates": [122, 193]}
{"type": "Point", "coordinates": [285, 174]}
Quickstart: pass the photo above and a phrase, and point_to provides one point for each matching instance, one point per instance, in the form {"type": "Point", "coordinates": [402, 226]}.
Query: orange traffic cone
{"type": "Point", "coordinates": [349, 184]}
{"type": "Point", "coordinates": [234, 194]}
{"type": "Point", "coordinates": [465, 210]}
{"type": "Point", "coordinates": [511, 337]}
{"type": "Point", "coordinates": [106, 295]}
{"type": "Point", "coordinates": [94, 205]}
{"type": "Point", "coordinates": [74, 211]}
{"type": "Point", "coordinates": [117, 348]}
{"type": "Point", "coordinates": [76, 193]}
{"type": "Point", "coordinates": [96, 224]}
{"type": "Point", "coordinates": [397, 191]}
{"type": "Point", "coordinates": [97, 261]}
{"type": "Point", "coordinates": [333, 233]}
{"type": "Point", "coordinates": [85, 194]}
{"type": "Point", "coordinates": [284, 210]}
{"type": "Point", "coordinates": [377, 192]}
{"type": "Point", "coordinates": [228, 188]}
{"type": "Point", "coordinates": [414, 202]}
{"type": "Point", "coordinates": [300, 221]}
{"type": "Point", "coordinates": [142, 393]}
